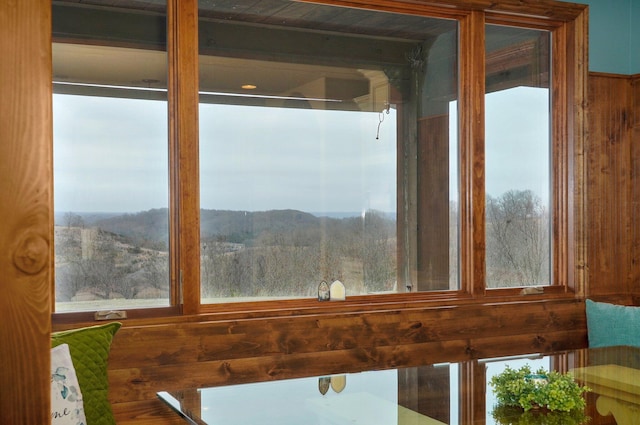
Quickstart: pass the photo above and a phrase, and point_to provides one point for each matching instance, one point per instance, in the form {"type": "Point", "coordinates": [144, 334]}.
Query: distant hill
{"type": "Point", "coordinates": [273, 253]}
{"type": "Point", "coordinates": [149, 229]}
{"type": "Point", "coordinates": [243, 225]}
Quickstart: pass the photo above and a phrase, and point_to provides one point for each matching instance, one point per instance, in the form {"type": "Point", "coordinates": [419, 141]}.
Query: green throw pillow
{"type": "Point", "coordinates": [611, 324]}
{"type": "Point", "coordinates": [89, 349]}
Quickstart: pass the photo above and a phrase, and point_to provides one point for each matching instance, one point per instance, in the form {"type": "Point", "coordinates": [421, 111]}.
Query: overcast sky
{"type": "Point", "coordinates": [110, 155]}
{"type": "Point", "coordinates": [517, 141]}
{"type": "Point", "coordinates": [317, 161]}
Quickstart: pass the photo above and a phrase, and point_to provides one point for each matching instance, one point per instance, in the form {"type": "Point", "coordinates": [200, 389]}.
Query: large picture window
{"type": "Point", "coordinates": [248, 152]}
{"type": "Point", "coordinates": [305, 146]}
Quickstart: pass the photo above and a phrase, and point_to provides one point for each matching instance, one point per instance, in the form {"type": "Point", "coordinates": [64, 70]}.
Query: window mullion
{"type": "Point", "coordinates": [568, 112]}
{"type": "Point", "coordinates": [471, 111]}
{"type": "Point", "coordinates": [183, 141]}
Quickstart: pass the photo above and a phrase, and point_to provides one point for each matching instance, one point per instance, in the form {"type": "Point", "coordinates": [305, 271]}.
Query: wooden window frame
{"type": "Point", "coordinates": [568, 70]}
{"type": "Point", "coordinates": [568, 25]}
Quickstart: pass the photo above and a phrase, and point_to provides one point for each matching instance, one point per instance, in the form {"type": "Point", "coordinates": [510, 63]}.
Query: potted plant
{"type": "Point", "coordinates": [511, 415]}
{"type": "Point", "coordinates": [540, 397]}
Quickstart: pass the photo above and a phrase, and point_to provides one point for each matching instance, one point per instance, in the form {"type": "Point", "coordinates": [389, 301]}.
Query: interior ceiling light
{"type": "Point", "coordinates": [249, 86]}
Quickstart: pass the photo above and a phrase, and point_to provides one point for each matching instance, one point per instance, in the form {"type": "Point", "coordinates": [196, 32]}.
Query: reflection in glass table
{"type": "Point", "coordinates": [447, 393]}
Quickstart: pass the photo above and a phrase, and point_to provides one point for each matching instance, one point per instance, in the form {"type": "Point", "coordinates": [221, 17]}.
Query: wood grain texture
{"type": "Point", "coordinates": [183, 140]}
{"type": "Point", "coordinates": [433, 201]}
{"type": "Point", "coordinates": [634, 276]}
{"type": "Point", "coordinates": [472, 201]}
{"type": "Point", "coordinates": [26, 211]}
{"type": "Point", "coordinates": [148, 359]}
{"type": "Point", "coordinates": [517, 9]}
{"type": "Point", "coordinates": [609, 185]}
{"type": "Point", "coordinates": [569, 95]}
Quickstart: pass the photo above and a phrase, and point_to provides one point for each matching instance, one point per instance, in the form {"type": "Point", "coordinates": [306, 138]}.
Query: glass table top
{"type": "Point", "coordinates": [446, 393]}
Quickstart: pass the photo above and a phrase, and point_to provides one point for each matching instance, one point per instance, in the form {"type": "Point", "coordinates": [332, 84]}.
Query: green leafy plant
{"type": "Point", "coordinates": [552, 391]}
{"type": "Point", "coordinates": [511, 415]}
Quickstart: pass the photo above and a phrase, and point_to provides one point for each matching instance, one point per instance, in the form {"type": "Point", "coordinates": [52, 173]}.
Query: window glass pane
{"type": "Point", "coordinates": [425, 395]}
{"type": "Point", "coordinates": [437, 164]}
{"type": "Point", "coordinates": [309, 123]}
{"type": "Point", "coordinates": [518, 157]}
{"type": "Point", "coordinates": [110, 157]}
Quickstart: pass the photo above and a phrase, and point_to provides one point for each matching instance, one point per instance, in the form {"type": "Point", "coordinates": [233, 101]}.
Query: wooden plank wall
{"type": "Point", "coordinates": [613, 191]}
{"type": "Point", "coordinates": [634, 275]}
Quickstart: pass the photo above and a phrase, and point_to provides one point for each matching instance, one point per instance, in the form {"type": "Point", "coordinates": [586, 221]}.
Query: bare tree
{"type": "Point", "coordinates": [517, 252]}
{"type": "Point", "coordinates": [156, 270]}
{"type": "Point", "coordinates": [378, 252]}
{"type": "Point", "coordinates": [73, 220]}
{"type": "Point", "coordinates": [292, 261]}
{"type": "Point", "coordinates": [98, 265]}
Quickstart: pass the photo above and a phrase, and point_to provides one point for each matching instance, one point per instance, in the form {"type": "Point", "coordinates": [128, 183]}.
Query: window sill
{"type": "Point", "coordinates": [312, 307]}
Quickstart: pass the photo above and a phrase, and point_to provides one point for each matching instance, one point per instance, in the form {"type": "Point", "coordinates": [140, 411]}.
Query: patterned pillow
{"type": "Point", "coordinates": [66, 398]}
{"type": "Point", "coordinates": [89, 348]}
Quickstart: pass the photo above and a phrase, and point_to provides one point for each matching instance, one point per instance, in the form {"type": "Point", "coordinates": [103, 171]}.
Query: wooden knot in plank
{"type": "Point", "coordinates": [31, 255]}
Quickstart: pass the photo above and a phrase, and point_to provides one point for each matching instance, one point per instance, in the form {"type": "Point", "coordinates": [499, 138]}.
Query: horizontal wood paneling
{"type": "Point", "coordinates": [148, 359]}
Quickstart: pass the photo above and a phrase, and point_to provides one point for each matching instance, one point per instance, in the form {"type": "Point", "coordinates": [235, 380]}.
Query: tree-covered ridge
{"type": "Point", "coordinates": [284, 253]}
{"type": "Point", "coordinates": [243, 254]}
{"type": "Point", "coordinates": [150, 228]}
